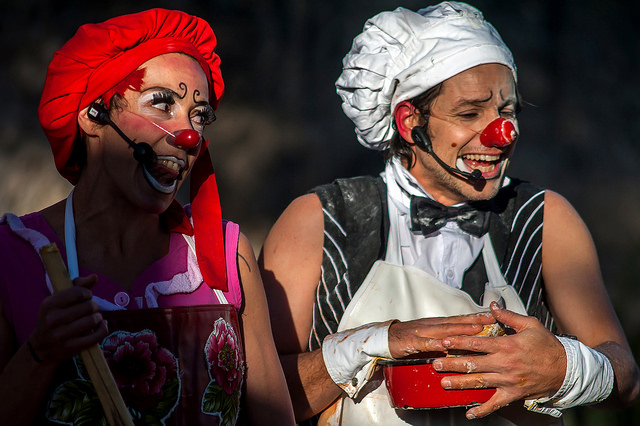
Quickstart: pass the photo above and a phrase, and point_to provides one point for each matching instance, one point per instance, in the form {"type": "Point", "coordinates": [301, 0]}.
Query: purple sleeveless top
{"type": "Point", "coordinates": [23, 284]}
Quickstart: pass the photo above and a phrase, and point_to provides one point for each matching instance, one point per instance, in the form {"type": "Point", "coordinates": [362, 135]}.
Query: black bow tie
{"type": "Point", "coordinates": [428, 216]}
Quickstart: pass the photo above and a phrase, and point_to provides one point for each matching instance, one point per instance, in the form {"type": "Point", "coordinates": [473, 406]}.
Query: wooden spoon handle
{"type": "Point", "coordinates": [114, 407]}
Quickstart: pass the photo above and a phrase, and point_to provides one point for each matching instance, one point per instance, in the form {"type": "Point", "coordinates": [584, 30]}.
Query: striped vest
{"type": "Point", "coordinates": [356, 227]}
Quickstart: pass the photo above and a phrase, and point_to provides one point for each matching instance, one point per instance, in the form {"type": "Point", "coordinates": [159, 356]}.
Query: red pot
{"type": "Point", "coordinates": [414, 384]}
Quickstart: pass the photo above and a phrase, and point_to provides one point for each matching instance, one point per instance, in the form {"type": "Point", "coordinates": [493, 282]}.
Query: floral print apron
{"type": "Point", "coordinates": [176, 365]}
{"type": "Point", "coordinates": [180, 365]}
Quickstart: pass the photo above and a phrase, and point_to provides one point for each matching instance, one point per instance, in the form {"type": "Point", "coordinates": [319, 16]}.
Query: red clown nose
{"type": "Point", "coordinates": [499, 132]}
{"type": "Point", "coordinates": [186, 139]}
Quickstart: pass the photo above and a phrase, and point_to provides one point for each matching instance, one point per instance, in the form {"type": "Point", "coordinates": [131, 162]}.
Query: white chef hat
{"type": "Point", "coordinates": [402, 54]}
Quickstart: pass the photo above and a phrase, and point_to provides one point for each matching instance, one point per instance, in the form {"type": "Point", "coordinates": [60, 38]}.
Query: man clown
{"type": "Point", "coordinates": [419, 259]}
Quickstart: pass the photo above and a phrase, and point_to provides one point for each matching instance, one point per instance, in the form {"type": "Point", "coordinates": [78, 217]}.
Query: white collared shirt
{"type": "Point", "coordinates": [446, 254]}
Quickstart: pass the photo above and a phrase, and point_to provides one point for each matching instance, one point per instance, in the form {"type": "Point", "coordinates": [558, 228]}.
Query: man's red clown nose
{"type": "Point", "coordinates": [499, 133]}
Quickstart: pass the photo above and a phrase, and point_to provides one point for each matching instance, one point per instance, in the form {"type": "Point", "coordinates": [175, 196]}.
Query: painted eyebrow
{"type": "Point", "coordinates": [163, 90]}
{"type": "Point", "coordinates": [511, 100]}
{"type": "Point", "coordinates": [203, 103]}
{"type": "Point", "coordinates": [159, 88]}
{"type": "Point", "coordinates": [463, 102]}
{"type": "Point", "coordinates": [173, 93]}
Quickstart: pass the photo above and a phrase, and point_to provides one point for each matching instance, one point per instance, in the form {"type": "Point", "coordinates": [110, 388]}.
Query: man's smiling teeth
{"type": "Point", "coordinates": [481, 157]}
{"type": "Point", "coordinates": [489, 164]}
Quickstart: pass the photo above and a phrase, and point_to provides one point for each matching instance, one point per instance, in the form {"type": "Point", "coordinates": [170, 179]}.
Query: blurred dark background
{"type": "Point", "coordinates": [281, 130]}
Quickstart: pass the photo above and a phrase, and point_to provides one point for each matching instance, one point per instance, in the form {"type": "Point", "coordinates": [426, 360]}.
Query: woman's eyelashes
{"type": "Point", "coordinates": [203, 115]}
{"type": "Point", "coordinates": [163, 101]}
{"type": "Point", "coordinates": [165, 105]}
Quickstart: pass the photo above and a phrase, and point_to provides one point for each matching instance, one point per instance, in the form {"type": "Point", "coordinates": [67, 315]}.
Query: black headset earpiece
{"type": "Point", "coordinates": [98, 113]}
{"type": "Point", "coordinates": [141, 151]}
{"type": "Point", "coordinates": [421, 139]}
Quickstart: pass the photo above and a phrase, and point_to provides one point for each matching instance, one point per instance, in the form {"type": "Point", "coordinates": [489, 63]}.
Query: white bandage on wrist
{"type": "Point", "coordinates": [588, 380]}
{"type": "Point", "coordinates": [350, 355]}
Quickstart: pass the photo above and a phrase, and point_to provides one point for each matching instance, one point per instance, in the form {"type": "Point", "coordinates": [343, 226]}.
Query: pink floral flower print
{"type": "Point", "coordinates": [226, 370]}
{"type": "Point", "coordinates": [146, 374]}
{"type": "Point", "coordinates": [223, 357]}
{"type": "Point", "coordinates": [140, 367]}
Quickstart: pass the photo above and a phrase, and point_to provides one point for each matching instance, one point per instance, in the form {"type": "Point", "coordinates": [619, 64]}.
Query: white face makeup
{"type": "Point", "coordinates": [173, 102]}
{"type": "Point", "coordinates": [162, 104]}
{"type": "Point", "coordinates": [172, 106]}
{"type": "Point", "coordinates": [467, 103]}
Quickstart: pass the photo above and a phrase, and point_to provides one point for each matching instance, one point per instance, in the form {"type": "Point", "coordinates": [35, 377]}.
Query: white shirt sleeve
{"type": "Point", "coordinates": [350, 356]}
{"type": "Point", "coordinates": [588, 380]}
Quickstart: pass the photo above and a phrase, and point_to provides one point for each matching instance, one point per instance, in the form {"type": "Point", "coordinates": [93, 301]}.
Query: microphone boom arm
{"type": "Point", "coordinates": [424, 143]}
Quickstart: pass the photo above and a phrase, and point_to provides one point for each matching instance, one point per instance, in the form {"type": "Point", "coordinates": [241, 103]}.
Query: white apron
{"type": "Point", "coordinates": [406, 293]}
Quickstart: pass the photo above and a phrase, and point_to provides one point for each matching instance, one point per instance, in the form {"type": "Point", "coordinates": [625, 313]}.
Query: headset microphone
{"type": "Point", "coordinates": [141, 151]}
{"type": "Point", "coordinates": [424, 143]}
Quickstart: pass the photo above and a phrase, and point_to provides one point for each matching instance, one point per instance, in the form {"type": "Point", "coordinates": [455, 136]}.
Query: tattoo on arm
{"type": "Point", "coordinates": [245, 261]}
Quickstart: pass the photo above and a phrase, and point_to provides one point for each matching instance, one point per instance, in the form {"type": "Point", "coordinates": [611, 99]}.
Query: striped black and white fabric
{"type": "Point", "coordinates": [355, 236]}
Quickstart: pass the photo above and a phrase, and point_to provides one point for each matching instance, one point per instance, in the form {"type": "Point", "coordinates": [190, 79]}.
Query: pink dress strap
{"type": "Point", "coordinates": [231, 236]}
